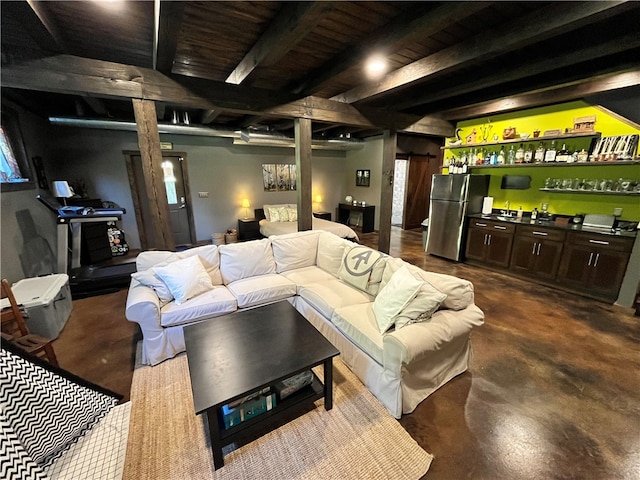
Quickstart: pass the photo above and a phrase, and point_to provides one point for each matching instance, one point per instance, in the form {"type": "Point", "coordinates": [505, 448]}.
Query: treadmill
{"type": "Point", "coordinates": [85, 280]}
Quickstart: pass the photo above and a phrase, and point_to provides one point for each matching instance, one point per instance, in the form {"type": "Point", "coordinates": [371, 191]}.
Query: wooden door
{"type": "Point", "coordinates": [499, 248]}
{"type": "Point", "coordinates": [418, 189]}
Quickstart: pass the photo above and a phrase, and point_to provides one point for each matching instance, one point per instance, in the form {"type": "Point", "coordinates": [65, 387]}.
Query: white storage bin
{"type": "Point", "coordinates": [46, 302]}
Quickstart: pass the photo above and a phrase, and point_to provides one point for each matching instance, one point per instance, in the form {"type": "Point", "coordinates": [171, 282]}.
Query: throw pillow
{"type": "Point", "coordinates": [284, 214]}
{"type": "Point", "coordinates": [47, 411]}
{"type": "Point", "coordinates": [362, 267]}
{"type": "Point", "coordinates": [149, 279]}
{"type": "Point", "coordinates": [293, 214]}
{"type": "Point", "coordinates": [422, 306]}
{"type": "Point", "coordinates": [394, 297]}
{"type": "Point", "coordinates": [274, 215]}
{"type": "Point", "coordinates": [185, 278]}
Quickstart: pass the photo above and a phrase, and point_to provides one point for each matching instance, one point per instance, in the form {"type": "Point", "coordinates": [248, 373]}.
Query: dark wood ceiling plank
{"type": "Point", "coordinates": [209, 116]}
{"type": "Point", "coordinates": [410, 26]}
{"type": "Point", "coordinates": [564, 58]}
{"type": "Point", "coordinates": [547, 96]}
{"type": "Point", "coordinates": [74, 75]}
{"type": "Point", "coordinates": [292, 23]}
{"type": "Point", "coordinates": [40, 9]}
{"type": "Point", "coordinates": [171, 15]}
{"type": "Point", "coordinates": [529, 29]}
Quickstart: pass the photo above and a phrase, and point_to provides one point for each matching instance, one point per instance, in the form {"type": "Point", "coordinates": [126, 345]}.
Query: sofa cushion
{"type": "Point", "coordinates": [330, 252]}
{"type": "Point", "coordinates": [307, 275]}
{"type": "Point", "coordinates": [459, 292]}
{"type": "Point", "coordinates": [362, 267]}
{"type": "Point", "coordinates": [262, 289]}
{"type": "Point", "coordinates": [295, 250]}
{"type": "Point", "coordinates": [358, 324]}
{"type": "Point", "coordinates": [185, 278]}
{"type": "Point", "coordinates": [246, 259]}
{"type": "Point", "coordinates": [146, 260]}
{"type": "Point", "coordinates": [212, 303]}
{"type": "Point", "coordinates": [394, 297]}
{"type": "Point", "coordinates": [210, 259]}
{"type": "Point", "coordinates": [328, 295]}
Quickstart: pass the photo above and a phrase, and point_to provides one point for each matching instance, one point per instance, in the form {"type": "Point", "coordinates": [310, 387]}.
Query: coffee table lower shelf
{"type": "Point", "coordinates": [263, 423]}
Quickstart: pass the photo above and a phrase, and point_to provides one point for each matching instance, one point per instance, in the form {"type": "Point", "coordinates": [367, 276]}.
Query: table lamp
{"type": "Point", "coordinates": [61, 189]}
{"type": "Point", "coordinates": [246, 205]}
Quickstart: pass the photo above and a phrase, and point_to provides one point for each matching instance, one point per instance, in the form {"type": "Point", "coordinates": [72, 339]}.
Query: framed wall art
{"type": "Point", "coordinates": [363, 178]}
{"type": "Point", "coordinates": [279, 177]}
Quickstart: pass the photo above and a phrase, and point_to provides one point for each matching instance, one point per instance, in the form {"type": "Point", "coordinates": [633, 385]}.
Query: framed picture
{"type": "Point", "coordinates": [363, 178]}
{"type": "Point", "coordinates": [279, 177]}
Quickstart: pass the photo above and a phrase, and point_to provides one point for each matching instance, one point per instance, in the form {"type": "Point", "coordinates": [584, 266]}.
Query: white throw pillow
{"type": "Point", "coordinates": [148, 278]}
{"type": "Point", "coordinates": [422, 306]}
{"type": "Point", "coordinates": [362, 267]}
{"type": "Point", "coordinates": [210, 258]}
{"type": "Point", "coordinates": [281, 205]}
{"type": "Point", "coordinates": [394, 297]}
{"type": "Point", "coordinates": [293, 214]}
{"type": "Point", "coordinates": [185, 278]}
{"type": "Point", "coordinates": [330, 251]}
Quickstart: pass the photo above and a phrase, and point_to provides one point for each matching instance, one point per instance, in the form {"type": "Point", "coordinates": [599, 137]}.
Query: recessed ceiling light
{"type": "Point", "coordinates": [376, 66]}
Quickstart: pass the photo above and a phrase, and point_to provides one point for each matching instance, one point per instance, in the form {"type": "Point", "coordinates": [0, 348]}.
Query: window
{"type": "Point", "coordinates": [15, 173]}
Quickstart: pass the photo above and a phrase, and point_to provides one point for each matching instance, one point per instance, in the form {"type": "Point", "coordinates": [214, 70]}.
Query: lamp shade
{"type": "Point", "coordinates": [62, 189]}
{"type": "Point", "coordinates": [245, 203]}
{"type": "Point", "coordinates": [318, 198]}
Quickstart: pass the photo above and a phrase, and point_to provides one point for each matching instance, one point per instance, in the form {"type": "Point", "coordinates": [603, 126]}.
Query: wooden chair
{"type": "Point", "coordinates": [14, 329]}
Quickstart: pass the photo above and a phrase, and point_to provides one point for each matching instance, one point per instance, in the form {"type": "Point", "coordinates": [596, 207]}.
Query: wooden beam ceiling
{"type": "Point", "coordinates": [75, 75]}
{"type": "Point", "coordinates": [521, 32]}
{"type": "Point", "coordinates": [171, 14]}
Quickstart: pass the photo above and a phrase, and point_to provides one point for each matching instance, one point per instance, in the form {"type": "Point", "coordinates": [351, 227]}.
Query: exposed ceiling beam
{"type": "Point", "coordinates": [51, 26]}
{"type": "Point", "coordinates": [547, 96]}
{"type": "Point", "coordinates": [209, 116]}
{"type": "Point", "coordinates": [171, 14]}
{"type": "Point", "coordinates": [38, 33]}
{"type": "Point", "coordinates": [510, 73]}
{"type": "Point", "coordinates": [527, 30]}
{"type": "Point", "coordinates": [419, 22]}
{"type": "Point", "coordinates": [293, 22]}
{"type": "Point", "coordinates": [96, 104]}
{"type": "Point", "coordinates": [75, 75]}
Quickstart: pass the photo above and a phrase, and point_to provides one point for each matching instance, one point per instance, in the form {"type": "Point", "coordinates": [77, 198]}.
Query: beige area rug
{"type": "Point", "coordinates": [357, 439]}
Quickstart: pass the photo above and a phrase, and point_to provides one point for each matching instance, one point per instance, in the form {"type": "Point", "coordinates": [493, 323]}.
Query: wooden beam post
{"type": "Point", "coordinates": [389, 143]}
{"type": "Point", "coordinates": [149, 143]}
{"type": "Point", "coordinates": [302, 128]}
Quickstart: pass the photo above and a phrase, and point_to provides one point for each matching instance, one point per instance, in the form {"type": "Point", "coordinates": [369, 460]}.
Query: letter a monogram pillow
{"type": "Point", "coordinates": [362, 267]}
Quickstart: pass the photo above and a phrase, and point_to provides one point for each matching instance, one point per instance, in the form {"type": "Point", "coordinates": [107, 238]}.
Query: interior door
{"type": "Point", "coordinates": [418, 189]}
{"type": "Point", "coordinates": [176, 182]}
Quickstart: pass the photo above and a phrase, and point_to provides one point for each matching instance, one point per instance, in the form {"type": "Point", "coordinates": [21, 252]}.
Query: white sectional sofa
{"type": "Point", "coordinates": [403, 331]}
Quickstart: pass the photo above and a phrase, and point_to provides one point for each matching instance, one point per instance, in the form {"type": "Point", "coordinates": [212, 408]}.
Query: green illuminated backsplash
{"type": "Point", "coordinates": [557, 117]}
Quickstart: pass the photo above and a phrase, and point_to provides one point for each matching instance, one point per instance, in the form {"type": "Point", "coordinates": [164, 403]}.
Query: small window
{"type": "Point", "coordinates": [15, 173]}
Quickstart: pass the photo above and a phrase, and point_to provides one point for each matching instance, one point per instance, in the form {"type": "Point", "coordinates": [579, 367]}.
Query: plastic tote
{"type": "Point", "coordinates": [46, 302]}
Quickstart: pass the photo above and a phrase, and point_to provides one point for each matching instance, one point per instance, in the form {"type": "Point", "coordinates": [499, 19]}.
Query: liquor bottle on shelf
{"type": "Point", "coordinates": [474, 157]}
{"type": "Point", "coordinates": [550, 154]}
{"type": "Point", "coordinates": [528, 154]}
{"type": "Point", "coordinates": [511, 158]}
{"type": "Point", "coordinates": [563, 154]}
{"type": "Point", "coordinates": [480, 157]}
{"type": "Point", "coordinates": [520, 154]}
{"type": "Point", "coordinates": [465, 166]}
{"type": "Point", "coordinates": [501, 157]}
{"type": "Point", "coordinates": [493, 158]}
{"type": "Point", "coordinates": [539, 155]}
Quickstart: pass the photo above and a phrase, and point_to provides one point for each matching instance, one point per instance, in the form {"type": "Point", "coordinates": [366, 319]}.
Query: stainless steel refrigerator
{"type": "Point", "coordinates": [452, 198]}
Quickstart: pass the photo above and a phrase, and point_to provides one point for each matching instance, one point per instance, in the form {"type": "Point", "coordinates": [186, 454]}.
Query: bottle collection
{"type": "Point", "coordinates": [522, 153]}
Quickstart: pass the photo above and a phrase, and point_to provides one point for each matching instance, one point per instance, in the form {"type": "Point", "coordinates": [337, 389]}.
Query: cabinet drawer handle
{"type": "Point", "coordinates": [481, 224]}
{"type": "Point", "coordinates": [544, 234]}
{"type": "Point", "coordinates": [499, 227]}
{"type": "Point", "coordinates": [590, 258]}
{"type": "Point", "coordinates": [595, 264]}
{"type": "Point", "coordinates": [489, 239]}
{"type": "Point", "coordinates": [533, 250]}
{"type": "Point", "coordinates": [538, 252]}
{"type": "Point", "coordinates": [599, 242]}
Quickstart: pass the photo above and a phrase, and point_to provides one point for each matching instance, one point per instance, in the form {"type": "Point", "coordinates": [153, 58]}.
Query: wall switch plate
{"type": "Point", "coordinates": [203, 194]}
{"type": "Point", "coordinates": [617, 212]}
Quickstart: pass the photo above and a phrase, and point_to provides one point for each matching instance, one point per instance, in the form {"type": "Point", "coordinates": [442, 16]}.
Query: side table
{"type": "Point", "coordinates": [323, 215]}
{"type": "Point", "coordinates": [248, 229]}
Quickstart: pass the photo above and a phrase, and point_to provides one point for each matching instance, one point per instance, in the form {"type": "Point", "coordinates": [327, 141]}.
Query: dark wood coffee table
{"type": "Point", "coordinates": [241, 353]}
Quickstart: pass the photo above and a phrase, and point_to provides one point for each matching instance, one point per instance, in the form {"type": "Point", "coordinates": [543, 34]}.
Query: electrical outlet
{"type": "Point", "coordinates": [617, 212]}
{"type": "Point", "coordinates": [203, 194]}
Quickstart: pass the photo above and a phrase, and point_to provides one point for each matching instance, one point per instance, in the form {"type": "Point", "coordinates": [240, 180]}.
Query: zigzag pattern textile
{"type": "Point", "coordinates": [47, 412]}
{"type": "Point", "coordinates": [15, 463]}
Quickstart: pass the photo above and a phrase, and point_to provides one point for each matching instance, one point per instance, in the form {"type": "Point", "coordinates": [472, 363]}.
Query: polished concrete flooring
{"type": "Point", "coordinates": [553, 391]}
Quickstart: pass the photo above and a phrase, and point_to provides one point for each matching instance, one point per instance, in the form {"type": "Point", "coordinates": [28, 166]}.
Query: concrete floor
{"type": "Point", "coordinates": [553, 391]}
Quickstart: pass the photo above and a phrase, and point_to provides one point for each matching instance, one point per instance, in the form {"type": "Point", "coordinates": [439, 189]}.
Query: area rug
{"type": "Point", "coordinates": [357, 439]}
